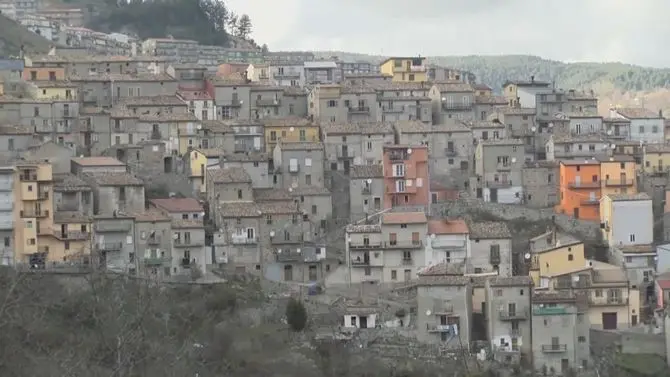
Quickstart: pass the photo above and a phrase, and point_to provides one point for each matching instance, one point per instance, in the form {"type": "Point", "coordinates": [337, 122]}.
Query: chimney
{"type": "Point", "coordinates": [532, 79]}
{"type": "Point", "coordinates": [660, 113]}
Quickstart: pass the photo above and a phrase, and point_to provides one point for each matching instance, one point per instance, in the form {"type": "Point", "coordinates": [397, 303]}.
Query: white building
{"type": "Point", "coordinates": [39, 25]}
{"type": "Point", "coordinates": [360, 317]}
{"type": "Point", "coordinates": [645, 125]}
{"type": "Point", "coordinates": [627, 219]}
{"type": "Point", "coordinates": [200, 104]}
{"type": "Point", "coordinates": [447, 241]}
{"type": "Point", "coordinates": [585, 124]}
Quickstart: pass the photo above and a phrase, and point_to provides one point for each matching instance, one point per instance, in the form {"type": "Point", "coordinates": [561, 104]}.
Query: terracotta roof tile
{"type": "Point", "coordinates": [366, 171]}
{"type": "Point", "coordinates": [394, 218]}
{"type": "Point", "coordinates": [489, 230]}
{"type": "Point", "coordinates": [228, 175]}
{"type": "Point", "coordinates": [177, 204]}
{"type": "Point", "coordinates": [443, 226]}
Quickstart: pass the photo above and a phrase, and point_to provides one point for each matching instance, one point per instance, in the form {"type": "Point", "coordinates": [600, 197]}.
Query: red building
{"type": "Point", "coordinates": [406, 178]}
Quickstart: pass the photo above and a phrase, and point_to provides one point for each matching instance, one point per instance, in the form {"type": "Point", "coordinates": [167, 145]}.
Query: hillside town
{"type": "Point", "coordinates": [515, 224]}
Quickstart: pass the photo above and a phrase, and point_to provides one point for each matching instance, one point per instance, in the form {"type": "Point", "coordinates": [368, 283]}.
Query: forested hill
{"type": "Point", "coordinates": [494, 70]}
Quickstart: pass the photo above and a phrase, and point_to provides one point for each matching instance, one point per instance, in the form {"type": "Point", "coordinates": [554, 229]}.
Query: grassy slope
{"type": "Point", "coordinates": [13, 35]}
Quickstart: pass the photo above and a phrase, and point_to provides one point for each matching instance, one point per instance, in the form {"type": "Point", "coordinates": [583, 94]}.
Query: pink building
{"type": "Point", "coordinates": [406, 179]}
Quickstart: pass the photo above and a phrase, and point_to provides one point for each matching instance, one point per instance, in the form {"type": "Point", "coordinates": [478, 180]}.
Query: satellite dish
{"type": "Point", "coordinates": [290, 189]}
{"type": "Point", "coordinates": [428, 312]}
{"type": "Point", "coordinates": [526, 256]}
{"type": "Point", "coordinates": [175, 236]}
{"type": "Point", "coordinates": [533, 129]}
{"type": "Point", "coordinates": [409, 150]}
{"type": "Point", "coordinates": [444, 98]}
{"type": "Point", "coordinates": [272, 233]}
{"type": "Point", "coordinates": [298, 251]}
{"type": "Point", "coordinates": [368, 180]}
{"type": "Point", "coordinates": [199, 126]}
{"type": "Point", "coordinates": [551, 125]}
{"type": "Point", "coordinates": [294, 184]}
{"type": "Point", "coordinates": [609, 132]}
{"type": "Point", "coordinates": [81, 156]}
{"type": "Point", "coordinates": [291, 129]}
{"type": "Point", "coordinates": [613, 146]}
{"type": "Point", "coordinates": [575, 278]}
{"type": "Point", "coordinates": [432, 236]}
{"type": "Point", "coordinates": [278, 251]}
{"type": "Point", "coordinates": [349, 239]}
{"type": "Point", "coordinates": [259, 212]}
{"type": "Point", "coordinates": [513, 159]}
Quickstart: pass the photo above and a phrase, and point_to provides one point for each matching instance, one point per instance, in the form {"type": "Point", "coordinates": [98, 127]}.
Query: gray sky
{"type": "Point", "coordinates": [570, 30]}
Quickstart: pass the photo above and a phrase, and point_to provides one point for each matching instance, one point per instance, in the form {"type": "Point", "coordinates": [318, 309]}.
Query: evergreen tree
{"type": "Point", "coordinates": [244, 26]}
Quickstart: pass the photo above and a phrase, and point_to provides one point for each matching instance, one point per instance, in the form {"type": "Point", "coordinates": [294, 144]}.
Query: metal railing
{"type": "Point", "coordinates": [619, 182]}
{"type": "Point", "coordinates": [109, 246]}
{"type": "Point", "coordinates": [551, 348]}
{"type": "Point", "coordinates": [365, 246]}
{"type": "Point", "coordinates": [585, 185]}
{"type": "Point", "coordinates": [403, 244]}
{"type": "Point", "coordinates": [244, 240]}
{"type": "Point", "coordinates": [359, 109]}
{"type": "Point", "coordinates": [508, 315]}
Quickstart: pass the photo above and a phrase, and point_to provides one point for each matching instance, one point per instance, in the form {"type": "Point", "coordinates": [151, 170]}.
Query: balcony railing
{"type": "Point", "coordinates": [359, 109]}
{"type": "Point", "coordinates": [584, 185]}
{"type": "Point", "coordinates": [619, 182]}
{"type": "Point", "coordinates": [443, 310]}
{"type": "Point", "coordinates": [504, 167]}
{"type": "Point", "coordinates": [590, 202]}
{"type": "Point", "coordinates": [280, 239]}
{"type": "Point", "coordinates": [403, 244]}
{"type": "Point", "coordinates": [113, 227]}
{"type": "Point", "coordinates": [607, 301]}
{"type": "Point", "coordinates": [397, 155]}
{"type": "Point", "coordinates": [43, 195]}
{"type": "Point", "coordinates": [287, 75]}
{"type": "Point", "coordinates": [450, 152]}
{"type": "Point", "coordinates": [153, 241]}
{"type": "Point", "coordinates": [244, 240]}
{"type": "Point", "coordinates": [80, 236]}
{"type": "Point", "coordinates": [156, 260]}
{"type": "Point", "coordinates": [231, 103]}
{"type": "Point", "coordinates": [188, 243]}
{"type": "Point", "coordinates": [554, 348]}
{"type": "Point", "coordinates": [109, 246]}
{"type": "Point", "coordinates": [452, 106]}
{"type": "Point", "coordinates": [508, 315]}
{"type": "Point", "coordinates": [431, 327]}
{"type": "Point", "coordinates": [27, 213]}
{"type": "Point", "coordinates": [30, 177]}
{"type": "Point", "coordinates": [268, 102]}
{"type": "Point", "coordinates": [365, 246]}
{"type": "Point", "coordinates": [407, 262]}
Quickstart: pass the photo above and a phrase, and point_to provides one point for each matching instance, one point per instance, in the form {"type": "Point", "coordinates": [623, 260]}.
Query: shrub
{"type": "Point", "coordinates": [296, 315]}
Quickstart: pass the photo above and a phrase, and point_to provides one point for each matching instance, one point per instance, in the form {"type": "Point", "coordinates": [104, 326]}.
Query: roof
{"type": "Point", "coordinates": [657, 148]}
{"type": "Point", "coordinates": [240, 209]}
{"type": "Point", "coordinates": [278, 208]}
{"type": "Point", "coordinates": [555, 296]}
{"type": "Point", "coordinates": [186, 223]}
{"type": "Point", "coordinates": [491, 100]}
{"type": "Point", "coordinates": [444, 226]}
{"type": "Point", "coordinates": [115, 179]}
{"type": "Point", "coordinates": [194, 95]}
{"type": "Point", "coordinates": [518, 110]}
{"type": "Point", "coordinates": [366, 171]}
{"type": "Point", "coordinates": [396, 218]}
{"type": "Point", "coordinates": [66, 182]}
{"type": "Point", "coordinates": [453, 86]}
{"type": "Point", "coordinates": [663, 281]}
{"type": "Point", "coordinates": [636, 249]}
{"type": "Point", "coordinates": [161, 100]}
{"type": "Point", "coordinates": [150, 215]}
{"type": "Point", "coordinates": [443, 268]}
{"type": "Point", "coordinates": [246, 157]}
{"type": "Point", "coordinates": [232, 174]}
{"type": "Point", "coordinates": [442, 280]}
{"type": "Point", "coordinates": [412, 126]}
{"type": "Point", "coordinates": [356, 128]}
{"type": "Point", "coordinates": [123, 77]}
{"type": "Point", "coordinates": [216, 126]}
{"type": "Point", "coordinates": [510, 281]}
{"type": "Point", "coordinates": [287, 122]}
{"type": "Point", "coordinates": [16, 129]}
{"type": "Point", "coordinates": [489, 230]}
{"type": "Point", "coordinates": [309, 191]}
{"type": "Point", "coordinates": [637, 113]}
{"type": "Point", "coordinates": [269, 194]}
{"type": "Point", "coordinates": [484, 124]}
{"type": "Point", "coordinates": [629, 197]}
{"type": "Point", "coordinates": [98, 161]}
{"type": "Point", "coordinates": [178, 204]}
{"type": "Point", "coordinates": [615, 158]}
{"type": "Point", "coordinates": [210, 152]}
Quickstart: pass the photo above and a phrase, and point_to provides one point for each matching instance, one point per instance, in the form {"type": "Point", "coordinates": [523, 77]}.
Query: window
{"type": "Point", "coordinates": [570, 257]}
{"type": "Point", "coordinates": [314, 210]}
{"type": "Point", "coordinates": [498, 292]}
{"type": "Point", "coordinates": [184, 216]}
{"type": "Point", "coordinates": [268, 219]}
{"type": "Point", "coordinates": [369, 145]}
{"type": "Point", "coordinates": [303, 136]}
{"type": "Point", "coordinates": [411, 77]}
{"type": "Point", "coordinates": [308, 161]}
{"type": "Point", "coordinates": [239, 194]}
{"type": "Point", "coordinates": [581, 339]}
{"type": "Point", "coordinates": [332, 103]}
{"type": "Point", "coordinates": [7, 241]}
{"type": "Point", "coordinates": [641, 129]}
{"type": "Point", "coordinates": [654, 129]}
{"type": "Point", "coordinates": [631, 238]}
{"type": "Point", "coordinates": [33, 75]}
{"type": "Point", "coordinates": [308, 179]}
{"type": "Point", "coordinates": [273, 135]}
{"type": "Point", "coordinates": [398, 170]}
{"type": "Point", "coordinates": [36, 111]}
{"type": "Point", "coordinates": [629, 259]}
{"type": "Point", "coordinates": [30, 188]}
{"type": "Point", "coordinates": [122, 194]}
{"type": "Point", "coordinates": [400, 186]}
{"type": "Point", "coordinates": [394, 275]}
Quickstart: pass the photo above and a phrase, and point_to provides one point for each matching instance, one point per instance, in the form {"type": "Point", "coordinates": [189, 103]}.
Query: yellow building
{"type": "Point", "coordinates": [613, 303]}
{"type": "Point", "coordinates": [69, 239]}
{"type": "Point", "coordinates": [405, 69]}
{"type": "Point", "coordinates": [200, 160]}
{"type": "Point", "coordinates": [656, 158]}
{"type": "Point", "coordinates": [289, 130]}
{"type": "Point", "coordinates": [617, 174]}
{"type": "Point", "coordinates": [33, 210]}
{"type": "Point", "coordinates": [61, 90]}
{"type": "Point", "coordinates": [553, 254]}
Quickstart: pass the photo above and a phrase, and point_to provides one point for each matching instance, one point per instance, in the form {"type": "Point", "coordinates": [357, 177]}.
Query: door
{"type": "Point", "coordinates": [565, 366]}
{"type": "Point", "coordinates": [366, 258]}
{"type": "Point", "coordinates": [364, 322]}
{"type": "Point", "coordinates": [609, 321]}
{"type": "Point", "coordinates": [575, 213]}
{"type": "Point", "coordinates": [288, 272]}
{"type": "Point", "coordinates": [345, 151]}
{"type": "Point", "coordinates": [578, 181]}
{"type": "Point", "coordinates": [511, 309]}
{"type": "Point", "coordinates": [408, 275]}
{"type": "Point", "coordinates": [493, 195]}
{"type": "Point", "coordinates": [312, 273]}
{"type": "Point", "coordinates": [623, 178]}
{"type": "Point", "coordinates": [345, 164]}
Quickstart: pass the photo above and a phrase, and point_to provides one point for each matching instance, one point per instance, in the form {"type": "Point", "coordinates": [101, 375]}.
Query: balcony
{"type": "Point", "coordinates": [407, 262]}
{"type": "Point", "coordinates": [230, 103]}
{"type": "Point", "coordinates": [286, 75]}
{"type": "Point", "coordinates": [417, 68]}
{"type": "Point", "coordinates": [344, 154]}
{"type": "Point", "coordinates": [365, 246]}
{"type": "Point", "coordinates": [416, 244]}
{"type": "Point", "coordinates": [30, 213]}
{"type": "Point", "coordinates": [268, 102]}
{"type": "Point", "coordinates": [109, 246]}
{"type": "Point", "coordinates": [156, 260]}
{"type": "Point", "coordinates": [366, 190]}
{"type": "Point", "coordinates": [453, 106]}
{"type": "Point", "coordinates": [155, 241]}
{"type": "Point", "coordinates": [619, 182]}
{"type": "Point", "coordinates": [244, 240]}
{"type": "Point", "coordinates": [584, 185]}
{"type": "Point", "coordinates": [550, 310]}
{"type": "Point", "coordinates": [554, 348]}
{"type": "Point", "coordinates": [435, 328]}
{"type": "Point", "coordinates": [607, 301]}
{"type": "Point", "coordinates": [69, 114]}
{"type": "Point", "coordinates": [188, 243]}
{"type": "Point", "coordinates": [28, 176]}
{"type": "Point", "coordinates": [359, 110]}
{"type": "Point", "coordinates": [72, 236]}
{"type": "Point", "coordinates": [499, 184]}
{"type": "Point", "coordinates": [450, 152]}
{"type": "Point", "coordinates": [43, 195]}
{"type": "Point", "coordinates": [508, 315]}
{"type": "Point", "coordinates": [113, 227]}
{"type": "Point", "coordinates": [283, 240]}
{"type": "Point", "coordinates": [445, 309]}
{"type": "Point", "coordinates": [397, 155]}
{"type": "Point", "coordinates": [391, 109]}
{"type": "Point", "coordinates": [504, 167]}
{"type": "Point", "coordinates": [590, 202]}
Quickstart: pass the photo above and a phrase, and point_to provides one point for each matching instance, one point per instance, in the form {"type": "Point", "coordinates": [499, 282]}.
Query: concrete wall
{"type": "Point", "coordinates": [635, 342]}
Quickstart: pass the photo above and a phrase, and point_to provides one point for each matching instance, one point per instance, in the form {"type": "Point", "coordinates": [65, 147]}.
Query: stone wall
{"type": "Point", "coordinates": [633, 342]}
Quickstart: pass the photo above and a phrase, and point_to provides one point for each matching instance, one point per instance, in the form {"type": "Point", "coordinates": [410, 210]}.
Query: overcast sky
{"type": "Point", "coordinates": [569, 30]}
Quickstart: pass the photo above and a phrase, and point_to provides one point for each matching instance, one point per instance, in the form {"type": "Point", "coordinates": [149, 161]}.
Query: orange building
{"type": "Point", "coordinates": [44, 73]}
{"type": "Point", "coordinates": [406, 179]}
{"type": "Point", "coordinates": [580, 189]}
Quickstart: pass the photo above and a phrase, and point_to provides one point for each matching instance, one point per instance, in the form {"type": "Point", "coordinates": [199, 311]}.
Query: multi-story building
{"type": "Point", "coordinates": [289, 130]}
{"type": "Point", "coordinates": [523, 93]}
{"type": "Point", "coordinates": [256, 164]}
{"type": "Point", "coordinates": [579, 189]}
{"type": "Point", "coordinates": [490, 248]}
{"type": "Point", "coordinates": [295, 99]}
{"type": "Point", "coordinates": [452, 100]}
{"type": "Point", "coordinates": [107, 89]}
{"type": "Point", "coordinates": [448, 242]}
{"type": "Point", "coordinates": [438, 73]}
{"type": "Point", "coordinates": [553, 253]}
{"type": "Point", "coordinates": [498, 167]}
{"type": "Point", "coordinates": [412, 132]}
{"type": "Point", "coordinates": [33, 212]}
{"type": "Point", "coordinates": [232, 96]}
{"type": "Point", "coordinates": [405, 69]}
{"type": "Point", "coordinates": [343, 104]}
{"type": "Point", "coordinates": [618, 174]}
{"type": "Point", "coordinates": [72, 194]}
{"type": "Point", "coordinates": [241, 223]}
{"type": "Point", "coordinates": [188, 233]}
{"type": "Point", "coordinates": [656, 158]}
{"type": "Point", "coordinates": [508, 302]}
{"type": "Point", "coordinates": [316, 206]}
{"type": "Point", "coordinates": [560, 328]}
{"type": "Point", "coordinates": [258, 72]}
{"type": "Point", "coordinates": [585, 124]}
{"type": "Point", "coordinates": [444, 311]}
{"type": "Point", "coordinates": [299, 164]}
{"type": "Point", "coordinates": [540, 184]}
{"type": "Point", "coordinates": [267, 101]}
{"type": "Point", "coordinates": [639, 263]}
{"type": "Point", "coordinates": [452, 148]}
{"type": "Point", "coordinates": [366, 190]}
{"type": "Point", "coordinates": [200, 103]}
{"type": "Point", "coordinates": [69, 237]}
{"type": "Point", "coordinates": [288, 74]}
{"type": "Point", "coordinates": [485, 106]}
{"type": "Point", "coordinates": [7, 218]}
{"type": "Point", "coordinates": [403, 101]}
{"type": "Point", "coordinates": [645, 125]}
{"type": "Point", "coordinates": [617, 128]}
{"type": "Point", "coordinates": [15, 139]}
{"type": "Point", "coordinates": [357, 68]}
{"type": "Point", "coordinates": [114, 242]}
{"type": "Point", "coordinates": [174, 49]}
{"type": "Point", "coordinates": [627, 219]}
{"type": "Point", "coordinates": [321, 72]}
{"type": "Point", "coordinates": [406, 176]}
{"type": "Point", "coordinates": [153, 239]}
{"type": "Point", "coordinates": [347, 144]}
{"type": "Point", "coordinates": [486, 130]}
{"type": "Point", "coordinates": [568, 147]}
